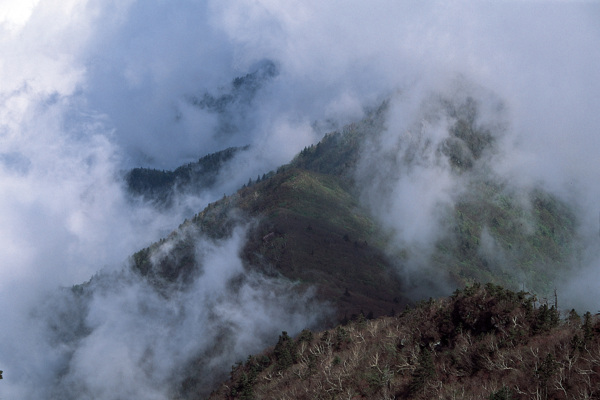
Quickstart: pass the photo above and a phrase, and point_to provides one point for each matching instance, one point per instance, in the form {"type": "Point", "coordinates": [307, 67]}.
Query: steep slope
{"type": "Point", "coordinates": [311, 225]}
{"type": "Point", "coordinates": [484, 342]}
{"type": "Point", "coordinates": [307, 228]}
{"type": "Point", "coordinates": [491, 232]}
{"type": "Point", "coordinates": [497, 238]}
{"type": "Point", "coordinates": [473, 223]}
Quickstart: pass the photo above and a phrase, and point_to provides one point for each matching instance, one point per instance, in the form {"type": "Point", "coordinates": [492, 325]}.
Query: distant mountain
{"type": "Point", "coordinates": [307, 224]}
{"type": "Point", "coordinates": [309, 227]}
{"type": "Point", "coordinates": [232, 104]}
{"type": "Point", "coordinates": [160, 187]}
{"type": "Point", "coordinates": [242, 89]}
{"type": "Point", "coordinates": [483, 342]}
{"type": "Point", "coordinates": [312, 227]}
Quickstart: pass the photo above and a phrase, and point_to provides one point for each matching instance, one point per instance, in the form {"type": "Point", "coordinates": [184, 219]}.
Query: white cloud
{"type": "Point", "coordinates": [88, 88]}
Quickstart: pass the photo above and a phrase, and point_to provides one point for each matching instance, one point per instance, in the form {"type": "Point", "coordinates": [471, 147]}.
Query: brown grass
{"type": "Point", "coordinates": [484, 342]}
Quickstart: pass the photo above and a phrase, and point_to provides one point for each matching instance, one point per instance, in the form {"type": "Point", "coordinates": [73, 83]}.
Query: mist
{"type": "Point", "coordinates": [89, 89]}
{"type": "Point", "coordinates": [120, 335]}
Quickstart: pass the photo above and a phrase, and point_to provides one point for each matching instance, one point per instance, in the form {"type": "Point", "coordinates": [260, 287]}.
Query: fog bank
{"type": "Point", "coordinates": [91, 88]}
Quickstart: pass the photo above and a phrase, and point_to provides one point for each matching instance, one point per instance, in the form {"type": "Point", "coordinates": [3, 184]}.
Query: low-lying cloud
{"type": "Point", "coordinates": [122, 336]}
{"type": "Point", "coordinates": [91, 88]}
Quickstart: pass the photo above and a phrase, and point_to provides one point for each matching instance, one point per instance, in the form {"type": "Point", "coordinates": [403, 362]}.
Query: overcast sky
{"type": "Point", "coordinates": [90, 88]}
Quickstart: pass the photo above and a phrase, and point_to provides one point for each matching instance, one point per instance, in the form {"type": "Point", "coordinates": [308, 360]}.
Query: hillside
{"type": "Point", "coordinates": [311, 226]}
{"type": "Point", "coordinates": [408, 190]}
{"type": "Point", "coordinates": [308, 225]}
{"type": "Point", "coordinates": [519, 237]}
{"type": "Point", "coordinates": [308, 229]}
{"type": "Point", "coordinates": [483, 342]}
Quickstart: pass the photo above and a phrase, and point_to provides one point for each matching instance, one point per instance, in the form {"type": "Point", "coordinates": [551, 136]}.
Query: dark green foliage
{"type": "Point", "coordinates": [141, 261]}
{"type": "Point", "coordinates": [423, 373]}
{"type": "Point", "coordinates": [587, 328]}
{"type": "Point", "coordinates": [547, 368]}
{"type": "Point", "coordinates": [285, 352]}
{"type": "Point", "coordinates": [305, 336]}
{"type": "Point", "coordinates": [264, 361]}
{"type": "Point", "coordinates": [177, 266]}
{"type": "Point", "coordinates": [160, 186]}
{"type": "Point", "coordinates": [502, 394]}
{"type": "Point", "coordinates": [379, 378]}
{"type": "Point", "coordinates": [482, 310]}
{"type": "Point", "coordinates": [360, 319]}
{"type": "Point", "coordinates": [338, 152]}
{"type": "Point", "coordinates": [341, 337]}
{"type": "Point", "coordinates": [574, 317]}
{"type": "Point", "coordinates": [230, 105]}
{"type": "Point", "coordinates": [146, 180]}
{"type": "Point", "coordinates": [545, 319]}
{"type": "Point", "coordinates": [545, 371]}
{"type": "Point", "coordinates": [577, 344]}
{"type": "Point", "coordinates": [244, 386]}
{"type": "Point", "coordinates": [242, 91]}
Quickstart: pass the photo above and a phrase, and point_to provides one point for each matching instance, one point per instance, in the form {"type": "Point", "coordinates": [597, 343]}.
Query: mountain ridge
{"type": "Point", "coordinates": [488, 225]}
{"type": "Point", "coordinates": [307, 224]}
{"type": "Point", "coordinates": [481, 342]}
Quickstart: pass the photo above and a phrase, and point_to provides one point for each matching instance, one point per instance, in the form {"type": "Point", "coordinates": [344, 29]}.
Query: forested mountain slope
{"type": "Point", "coordinates": [310, 224]}
{"type": "Point", "coordinates": [483, 342]}
{"type": "Point", "coordinates": [160, 187]}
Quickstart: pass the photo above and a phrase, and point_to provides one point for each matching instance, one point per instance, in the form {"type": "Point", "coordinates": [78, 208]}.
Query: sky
{"type": "Point", "coordinates": [90, 88]}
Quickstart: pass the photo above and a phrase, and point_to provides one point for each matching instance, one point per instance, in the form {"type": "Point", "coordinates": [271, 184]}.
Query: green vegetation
{"type": "Point", "coordinates": [313, 231]}
{"type": "Point", "coordinates": [306, 225]}
{"type": "Point", "coordinates": [310, 227]}
{"type": "Point", "coordinates": [496, 238]}
{"type": "Point", "coordinates": [160, 186]}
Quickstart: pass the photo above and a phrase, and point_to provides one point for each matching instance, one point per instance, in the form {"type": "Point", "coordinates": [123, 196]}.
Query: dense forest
{"type": "Point", "coordinates": [160, 186]}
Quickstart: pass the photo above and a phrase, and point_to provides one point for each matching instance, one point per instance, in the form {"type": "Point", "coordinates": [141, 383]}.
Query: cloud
{"type": "Point", "coordinates": [121, 336]}
{"type": "Point", "coordinates": [90, 88]}
{"type": "Point", "coordinates": [414, 172]}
